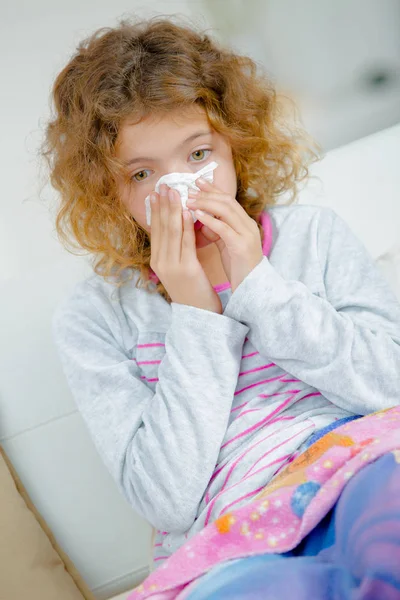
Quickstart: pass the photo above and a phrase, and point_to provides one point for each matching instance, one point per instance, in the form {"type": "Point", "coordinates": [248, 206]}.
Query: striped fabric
{"type": "Point", "coordinates": [272, 415]}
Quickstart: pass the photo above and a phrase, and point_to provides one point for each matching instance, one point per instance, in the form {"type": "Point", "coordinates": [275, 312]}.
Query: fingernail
{"type": "Point", "coordinates": [163, 189]}
{"type": "Point", "coordinates": [200, 180]}
{"type": "Point", "coordinates": [193, 192]}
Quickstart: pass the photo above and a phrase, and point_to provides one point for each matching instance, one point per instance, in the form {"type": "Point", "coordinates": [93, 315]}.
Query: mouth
{"type": "Point", "coordinates": [201, 241]}
{"type": "Point", "coordinates": [198, 225]}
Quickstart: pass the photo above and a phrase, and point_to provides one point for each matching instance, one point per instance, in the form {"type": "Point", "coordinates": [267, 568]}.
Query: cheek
{"type": "Point", "coordinates": [135, 205]}
{"type": "Point", "coordinates": [225, 179]}
{"type": "Point", "coordinates": [233, 182]}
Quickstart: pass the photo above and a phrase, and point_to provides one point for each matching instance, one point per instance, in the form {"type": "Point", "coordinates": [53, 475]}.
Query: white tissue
{"type": "Point", "coordinates": [182, 182]}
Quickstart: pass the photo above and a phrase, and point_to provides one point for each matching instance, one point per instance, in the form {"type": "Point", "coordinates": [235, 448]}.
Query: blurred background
{"type": "Point", "coordinates": [338, 59]}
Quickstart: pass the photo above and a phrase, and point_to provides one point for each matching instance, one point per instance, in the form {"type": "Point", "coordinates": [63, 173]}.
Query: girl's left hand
{"type": "Point", "coordinates": [235, 234]}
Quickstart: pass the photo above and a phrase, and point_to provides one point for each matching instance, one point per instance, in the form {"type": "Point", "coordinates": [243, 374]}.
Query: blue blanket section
{"type": "Point", "coordinates": [353, 553]}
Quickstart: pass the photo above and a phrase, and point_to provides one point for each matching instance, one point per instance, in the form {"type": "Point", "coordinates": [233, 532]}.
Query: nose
{"type": "Point", "coordinates": [178, 167]}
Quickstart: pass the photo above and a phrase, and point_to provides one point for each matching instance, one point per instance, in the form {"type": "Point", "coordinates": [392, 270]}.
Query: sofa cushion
{"type": "Point", "coordinates": [32, 565]}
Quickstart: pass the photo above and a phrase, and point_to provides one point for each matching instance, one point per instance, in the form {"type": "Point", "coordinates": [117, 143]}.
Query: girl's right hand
{"type": "Point", "coordinates": [173, 253]}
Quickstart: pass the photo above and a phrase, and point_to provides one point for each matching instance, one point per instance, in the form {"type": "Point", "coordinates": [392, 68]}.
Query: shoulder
{"type": "Point", "coordinates": [92, 301]}
{"type": "Point", "coordinates": [304, 227]}
{"type": "Point", "coordinates": [304, 239]}
{"type": "Point", "coordinates": [301, 216]}
{"type": "Point", "coordinates": [86, 294]}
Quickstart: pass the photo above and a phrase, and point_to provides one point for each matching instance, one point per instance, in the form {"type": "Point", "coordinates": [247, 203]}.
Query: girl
{"type": "Point", "coordinates": [204, 356]}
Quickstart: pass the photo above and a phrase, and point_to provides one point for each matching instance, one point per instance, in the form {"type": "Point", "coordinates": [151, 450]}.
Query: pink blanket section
{"type": "Point", "coordinates": [271, 523]}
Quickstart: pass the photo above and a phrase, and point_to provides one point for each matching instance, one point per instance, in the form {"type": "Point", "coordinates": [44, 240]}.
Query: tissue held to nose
{"type": "Point", "coordinates": [182, 182]}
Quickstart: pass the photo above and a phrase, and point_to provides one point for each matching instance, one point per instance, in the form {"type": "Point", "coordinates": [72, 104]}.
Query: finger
{"type": "Point", "coordinates": [175, 227]}
{"type": "Point", "coordinates": [164, 217]}
{"type": "Point", "coordinates": [207, 189]}
{"type": "Point", "coordinates": [217, 195]}
{"type": "Point", "coordinates": [209, 234]}
{"type": "Point", "coordinates": [226, 233]}
{"type": "Point", "coordinates": [226, 211]}
{"type": "Point", "coordinates": [164, 208]}
{"type": "Point", "coordinates": [155, 225]}
{"type": "Point", "coordinates": [189, 238]}
{"type": "Point", "coordinates": [207, 186]}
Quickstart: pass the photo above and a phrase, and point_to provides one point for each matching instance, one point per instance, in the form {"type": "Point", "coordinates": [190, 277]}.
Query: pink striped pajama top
{"type": "Point", "coordinates": [193, 412]}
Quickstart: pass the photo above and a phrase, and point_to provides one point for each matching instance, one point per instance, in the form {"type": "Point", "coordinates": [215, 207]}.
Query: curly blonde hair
{"type": "Point", "coordinates": [153, 66]}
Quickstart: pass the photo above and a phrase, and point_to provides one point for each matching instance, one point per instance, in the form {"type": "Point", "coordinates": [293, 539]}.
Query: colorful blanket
{"type": "Point", "coordinates": [265, 533]}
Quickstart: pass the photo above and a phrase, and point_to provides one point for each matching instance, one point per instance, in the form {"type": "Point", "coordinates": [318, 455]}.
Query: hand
{"type": "Point", "coordinates": [235, 234]}
{"type": "Point", "coordinates": [173, 253]}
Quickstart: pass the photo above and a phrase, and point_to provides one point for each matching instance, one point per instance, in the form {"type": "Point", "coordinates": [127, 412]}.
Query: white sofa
{"type": "Point", "coordinates": [40, 428]}
{"type": "Point", "coordinates": [361, 182]}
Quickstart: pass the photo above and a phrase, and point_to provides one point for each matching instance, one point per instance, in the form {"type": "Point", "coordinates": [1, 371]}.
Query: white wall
{"type": "Point", "coordinates": [39, 426]}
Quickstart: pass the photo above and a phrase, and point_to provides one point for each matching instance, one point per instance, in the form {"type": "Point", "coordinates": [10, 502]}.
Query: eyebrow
{"type": "Point", "coordinates": [148, 159]}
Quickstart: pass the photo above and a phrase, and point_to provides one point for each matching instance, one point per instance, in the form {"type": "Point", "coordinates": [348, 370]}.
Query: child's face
{"type": "Point", "coordinates": [167, 144]}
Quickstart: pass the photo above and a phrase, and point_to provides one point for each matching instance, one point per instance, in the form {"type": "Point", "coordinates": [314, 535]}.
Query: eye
{"type": "Point", "coordinates": [141, 175]}
{"type": "Point", "coordinates": [199, 155]}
